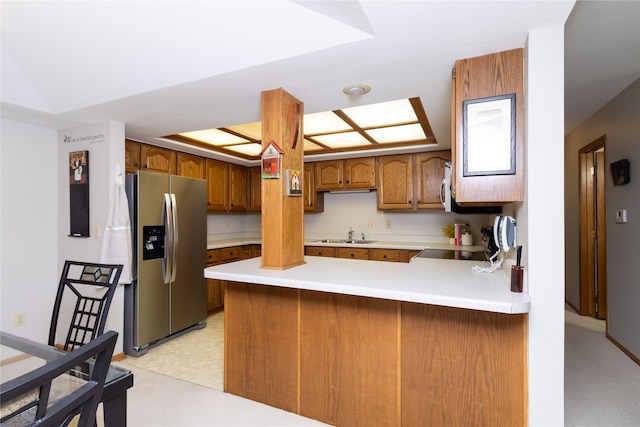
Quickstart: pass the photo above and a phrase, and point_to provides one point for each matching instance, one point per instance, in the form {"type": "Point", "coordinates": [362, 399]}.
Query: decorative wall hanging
{"type": "Point", "coordinates": [620, 172]}
{"type": "Point", "coordinates": [489, 136]}
{"type": "Point", "coordinates": [294, 182]}
{"type": "Point", "coordinates": [79, 193]}
{"type": "Point", "coordinates": [271, 161]}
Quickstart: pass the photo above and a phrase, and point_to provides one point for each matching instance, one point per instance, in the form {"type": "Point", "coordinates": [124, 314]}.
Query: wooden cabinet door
{"type": "Point", "coordinates": [429, 175]}
{"type": "Point", "coordinates": [483, 77]}
{"type": "Point", "coordinates": [131, 156]}
{"type": "Point", "coordinates": [214, 286]}
{"type": "Point", "coordinates": [353, 253]}
{"type": "Point", "coordinates": [360, 173]}
{"type": "Point", "coordinates": [392, 255]}
{"type": "Point", "coordinates": [255, 189]}
{"type": "Point", "coordinates": [395, 182]}
{"type": "Point", "coordinates": [329, 175]}
{"type": "Point", "coordinates": [190, 165]}
{"type": "Point", "coordinates": [217, 185]}
{"type": "Point", "coordinates": [238, 188]}
{"type": "Point", "coordinates": [326, 251]}
{"type": "Point", "coordinates": [313, 201]}
{"type": "Point", "coordinates": [158, 159]}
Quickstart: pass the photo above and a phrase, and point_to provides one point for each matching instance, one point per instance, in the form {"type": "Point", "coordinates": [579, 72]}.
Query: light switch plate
{"type": "Point", "coordinates": [621, 216]}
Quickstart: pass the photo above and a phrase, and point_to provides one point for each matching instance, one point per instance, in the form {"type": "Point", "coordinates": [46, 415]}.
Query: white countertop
{"type": "Point", "coordinates": [429, 281]}
{"type": "Point", "coordinates": [225, 243]}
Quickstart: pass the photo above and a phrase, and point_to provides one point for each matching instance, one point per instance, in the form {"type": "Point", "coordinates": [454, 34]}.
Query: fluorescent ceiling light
{"type": "Point", "coordinates": [252, 149]}
{"type": "Point", "coordinates": [341, 140]}
{"type": "Point", "coordinates": [397, 133]}
{"type": "Point", "coordinates": [215, 137]}
{"type": "Point", "coordinates": [385, 113]}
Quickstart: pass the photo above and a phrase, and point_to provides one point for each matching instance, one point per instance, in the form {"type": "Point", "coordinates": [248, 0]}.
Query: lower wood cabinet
{"type": "Point", "coordinates": [327, 251]}
{"type": "Point", "coordinates": [351, 252]}
{"type": "Point", "coordinates": [358, 361]}
{"type": "Point", "coordinates": [215, 287]}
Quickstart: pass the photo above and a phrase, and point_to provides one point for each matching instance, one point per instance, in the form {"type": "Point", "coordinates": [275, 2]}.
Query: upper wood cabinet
{"type": "Point", "coordinates": [131, 156]}
{"type": "Point", "coordinates": [255, 189]}
{"type": "Point", "coordinates": [238, 188]}
{"type": "Point", "coordinates": [484, 77]}
{"type": "Point", "coordinates": [190, 165]}
{"type": "Point", "coordinates": [395, 182]}
{"type": "Point", "coordinates": [411, 181]}
{"type": "Point", "coordinates": [157, 159]}
{"type": "Point", "coordinates": [227, 186]}
{"type": "Point", "coordinates": [429, 175]}
{"type": "Point", "coordinates": [313, 201]}
{"type": "Point", "coordinates": [217, 173]}
{"type": "Point", "coordinates": [347, 174]}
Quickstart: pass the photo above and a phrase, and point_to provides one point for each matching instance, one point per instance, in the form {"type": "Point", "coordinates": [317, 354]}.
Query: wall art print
{"type": "Point", "coordinates": [79, 193]}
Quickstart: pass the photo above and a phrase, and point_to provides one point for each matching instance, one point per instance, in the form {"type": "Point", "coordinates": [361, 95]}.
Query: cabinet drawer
{"type": "Point", "coordinates": [213, 256]}
{"type": "Point", "coordinates": [230, 254]}
{"type": "Point", "coordinates": [394, 255]}
{"type": "Point", "coordinates": [353, 253]}
{"type": "Point", "coordinates": [321, 251]}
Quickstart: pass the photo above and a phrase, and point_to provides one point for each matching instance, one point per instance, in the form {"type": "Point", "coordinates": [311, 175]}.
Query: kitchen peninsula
{"type": "Point", "coordinates": [355, 342]}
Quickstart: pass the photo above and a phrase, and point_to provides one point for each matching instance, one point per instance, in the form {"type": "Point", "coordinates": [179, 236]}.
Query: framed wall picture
{"type": "Point", "coordinates": [294, 182]}
{"type": "Point", "coordinates": [489, 136]}
{"type": "Point", "coordinates": [79, 193]}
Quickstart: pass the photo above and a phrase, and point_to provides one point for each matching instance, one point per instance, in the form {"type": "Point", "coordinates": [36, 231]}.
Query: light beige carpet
{"type": "Point", "coordinates": [196, 357]}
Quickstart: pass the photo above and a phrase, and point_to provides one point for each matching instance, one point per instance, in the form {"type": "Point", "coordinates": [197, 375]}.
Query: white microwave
{"type": "Point", "coordinates": [450, 204]}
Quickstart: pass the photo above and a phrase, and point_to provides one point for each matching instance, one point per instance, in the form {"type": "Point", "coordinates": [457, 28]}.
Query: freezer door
{"type": "Point", "coordinates": [188, 296]}
{"type": "Point", "coordinates": [151, 292]}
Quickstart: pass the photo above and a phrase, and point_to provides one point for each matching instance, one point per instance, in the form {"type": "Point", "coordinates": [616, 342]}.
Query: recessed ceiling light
{"type": "Point", "coordinates": [356, 89]}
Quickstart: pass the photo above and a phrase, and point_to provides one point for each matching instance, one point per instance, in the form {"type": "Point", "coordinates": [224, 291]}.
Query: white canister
{"type": "Point", "coordinates": [467, 239]}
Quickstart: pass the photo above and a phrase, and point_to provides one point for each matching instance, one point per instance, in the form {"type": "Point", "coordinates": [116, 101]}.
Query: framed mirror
{"type": "Point", "coordinates": [489, 136]}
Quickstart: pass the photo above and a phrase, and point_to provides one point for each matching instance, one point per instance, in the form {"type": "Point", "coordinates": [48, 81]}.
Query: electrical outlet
{"type": "Point", "coordinates": [388, 223]}
{"type": "Point", "coordinates": [370, 224]}
{"type": "Point", "coordinates": [21, 319]}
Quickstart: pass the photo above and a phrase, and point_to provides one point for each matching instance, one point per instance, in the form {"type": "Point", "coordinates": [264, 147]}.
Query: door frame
{"type": "Point", "coordinates": [593, 243]}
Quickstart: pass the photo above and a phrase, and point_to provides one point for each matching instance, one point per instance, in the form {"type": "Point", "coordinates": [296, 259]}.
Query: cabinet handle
{"type": "Point", "coordinates": [348, 182]}
{"type": "Point", "coordinates": [352, 255]}
{"type": "Point", "coordinates": [384, 256]}
{"type": "Point", "coordinates": [145, 166]}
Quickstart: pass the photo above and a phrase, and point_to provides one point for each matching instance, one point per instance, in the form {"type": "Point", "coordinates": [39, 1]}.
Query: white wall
{"type": "Point", "coordinates": [541, 225]}
{"type": "Point", "coordinates": [28, 227]}
{"type": "Point", "coordinates": [619, 121]}
{"type": "Point", "coordinates": [355, 210]}
{"type": "Point", "coordinates": [105, 143]}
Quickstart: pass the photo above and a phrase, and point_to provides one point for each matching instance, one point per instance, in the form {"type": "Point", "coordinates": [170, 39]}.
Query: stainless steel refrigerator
{"type": "Point", "coordinates": [168, 294]}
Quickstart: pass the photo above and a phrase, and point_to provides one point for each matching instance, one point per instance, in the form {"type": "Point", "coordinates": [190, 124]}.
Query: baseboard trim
{"type": "Point", "coordinates": [623, 349]}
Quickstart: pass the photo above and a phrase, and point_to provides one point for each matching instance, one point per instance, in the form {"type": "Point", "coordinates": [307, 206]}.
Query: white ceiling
{"type": "Point", "coordinates": [169, 67]}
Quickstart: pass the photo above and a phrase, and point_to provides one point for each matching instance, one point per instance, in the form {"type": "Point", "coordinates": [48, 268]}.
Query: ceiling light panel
{"type": "Point", "coordinates": [397, 134]}
{"type": "Point", "coordinates": [342, 140]}
{"type": "Point", "coordinates": [384, 113]}
{"type": "Point", "coordinates": [252, 149]}
{"type": "Point", "coordinates": [311, 146]}
{"type": "Point", "coordinates": [325, 122]}
{"type": "Point", "coordinates": [250, 130]}
{"type": "Point", "coordinates": [215, 137]}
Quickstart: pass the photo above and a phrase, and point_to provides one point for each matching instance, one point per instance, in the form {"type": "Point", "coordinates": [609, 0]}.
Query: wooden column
{"type": "Point", "coordinates": [282, 215]}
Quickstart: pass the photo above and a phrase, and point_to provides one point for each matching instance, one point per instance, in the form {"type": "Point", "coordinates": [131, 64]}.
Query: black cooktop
{"type": "Point", "coordinates": [457, 254]}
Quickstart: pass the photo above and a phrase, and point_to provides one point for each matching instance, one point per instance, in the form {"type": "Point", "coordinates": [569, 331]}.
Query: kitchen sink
{"type": "Point", "coordinates": [347, 241]}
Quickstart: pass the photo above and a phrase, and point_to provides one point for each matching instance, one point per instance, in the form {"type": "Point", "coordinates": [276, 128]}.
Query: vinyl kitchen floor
{"type": "Point", "coordinates": [196, 357]}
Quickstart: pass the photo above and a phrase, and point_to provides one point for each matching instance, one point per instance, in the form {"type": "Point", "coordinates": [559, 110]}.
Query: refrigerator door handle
{"type": "Point", "coordinates": [167, 262]}
{"type": "Point", "coordinates": [174, 258]}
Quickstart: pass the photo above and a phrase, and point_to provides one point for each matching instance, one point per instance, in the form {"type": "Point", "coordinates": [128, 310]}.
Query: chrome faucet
{"type": "Point", "coordinates": [350, 233]}
{"type": "Point", "coordinates": [362, 236]}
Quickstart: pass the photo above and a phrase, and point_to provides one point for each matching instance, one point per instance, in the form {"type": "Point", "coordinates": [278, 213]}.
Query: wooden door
{"type": "Point", "coordinates": [429, 175]}
{"type": "Point", "coordinates": [360, 173]}
{"type": "Point", "coordinates": [329, 175]}
{"type": "Point", "coordinates": [190, 165]}
{"type": "Point", "coordinates": [395, 182]}
{"type": "Point", "coordinates": [217, 185]}
{"type": "Point", "coordinates": [255, 189]}
{"type": "Point", "coordinates": [131, 156]}
{"type": "Point", "coordinates": [158, 159]}
{"type": "Point", "coordinates": [593, 249]}
{"type": "Point", "coordinates": [239, 187]}
{"type": "Point", "coordinates": [313, 201]}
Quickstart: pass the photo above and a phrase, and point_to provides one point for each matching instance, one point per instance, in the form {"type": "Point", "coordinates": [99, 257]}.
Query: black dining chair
{"type": "Point", "coordinates": [84, 292]}
{"type": "Point", "coordinates": [30, 399]}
